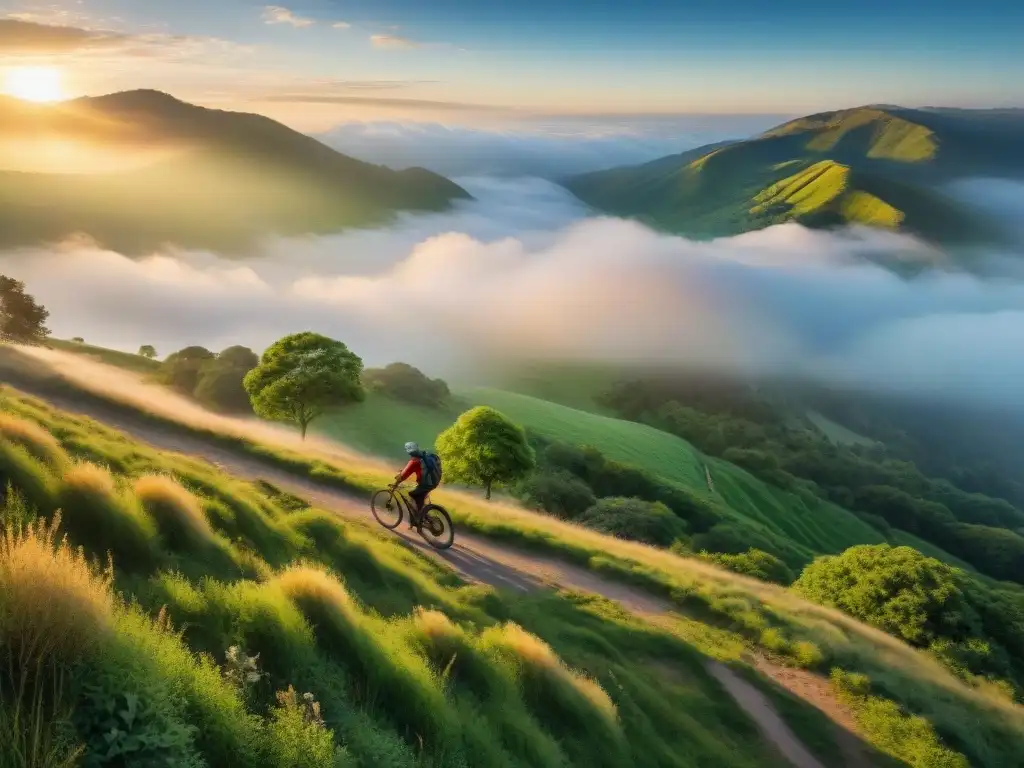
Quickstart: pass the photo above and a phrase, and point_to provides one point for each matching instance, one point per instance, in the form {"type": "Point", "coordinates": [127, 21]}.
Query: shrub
{"type": "Point", "coordinates": [101, 519]}
{"type": "Point", "coordinates": [403, 382]}
{"type": "Point", "coordinates": [652, 523]}
{"type": "Point", "coordinates": [178, 514]}
{"type": "Point", "coordinates": [754, 563]}
{"type": "Point", "coordinates": [557, 493]}
{"type": "Point", "coordinates": [297, 737]}
{"type": "Point", "coordinates": [896, 589]}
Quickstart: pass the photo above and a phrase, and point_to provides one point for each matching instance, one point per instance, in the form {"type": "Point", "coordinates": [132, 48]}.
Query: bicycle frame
{"type": "Point", "coordinates": [403, 498]}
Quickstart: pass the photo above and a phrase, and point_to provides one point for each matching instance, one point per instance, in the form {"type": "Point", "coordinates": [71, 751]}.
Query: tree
{"type": "Point", "coordinates": [483, 447]}
{"type": "Point", "coordinates": [301, 376]}
{"type": "Point", "coordinates": [148, 351]}
{"type": "Point", "coordinates": [403, 382]}
{"type": "Point", "coordinates": [219, 383]}
{"type": "Point", "coordinates": [21, 318]}
{"type": "Point", "coordinates": [896, 589]}
{"type": "Point", "coordinates": [181, 369]}
{"type": "Point", "coordinates": [78, 340]}
{"type": "Point", "coordinates": [557, 492]}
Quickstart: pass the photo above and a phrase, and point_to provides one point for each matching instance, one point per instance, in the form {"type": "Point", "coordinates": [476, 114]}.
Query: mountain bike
{"type": "Point", "coordinates": [390, 505]}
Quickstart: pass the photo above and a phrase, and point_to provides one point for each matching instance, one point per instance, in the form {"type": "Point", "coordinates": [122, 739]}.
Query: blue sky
{"type": "Point", "coordinates": [310, 60]}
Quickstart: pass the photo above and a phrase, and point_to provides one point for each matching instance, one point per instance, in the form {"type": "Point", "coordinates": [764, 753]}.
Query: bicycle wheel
{"type": "Point", "coordinates": [436, 527]}
{"type": "Point", "coordinates": [387, 508]}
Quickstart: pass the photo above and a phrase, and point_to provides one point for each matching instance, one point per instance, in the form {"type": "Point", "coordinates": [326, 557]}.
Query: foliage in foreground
{"type": "Point", "coordinates": [306, 642]}
{"type": "Point", "coordinates": [724, 616]}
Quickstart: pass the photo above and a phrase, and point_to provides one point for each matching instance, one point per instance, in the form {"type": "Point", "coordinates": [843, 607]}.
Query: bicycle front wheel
{"type": "Point", "coordinates": [436, 527]}
{"type": "Point", "coordinates": [386, 508]}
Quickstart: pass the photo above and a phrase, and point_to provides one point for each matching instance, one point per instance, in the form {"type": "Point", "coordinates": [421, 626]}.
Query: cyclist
{"type": "Point", "coordinates": [426, 481]}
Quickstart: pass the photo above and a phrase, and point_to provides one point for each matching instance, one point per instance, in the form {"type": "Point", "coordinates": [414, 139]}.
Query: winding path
{"type": "Point", "coordinates": [477, 559]}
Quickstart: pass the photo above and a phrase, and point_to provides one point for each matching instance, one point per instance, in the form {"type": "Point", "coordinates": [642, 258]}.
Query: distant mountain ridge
{"type": "Point", "coordinates": [227, 179]}
{"type": "Point", "coordinates": [877, 166]}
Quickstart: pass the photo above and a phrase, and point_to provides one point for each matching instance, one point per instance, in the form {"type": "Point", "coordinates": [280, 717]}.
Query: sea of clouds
{"type": "Point", "coordinates": [525, 271]}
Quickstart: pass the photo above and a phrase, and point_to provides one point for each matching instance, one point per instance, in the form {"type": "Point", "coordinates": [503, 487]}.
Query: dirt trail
{"type": "Point", "coordinates": [477, 559]}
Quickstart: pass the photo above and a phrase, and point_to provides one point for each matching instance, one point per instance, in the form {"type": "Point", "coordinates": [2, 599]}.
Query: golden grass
{"type": "Point", "coordinates": [832, 631]}
{"type": "Point", "coordinates": [39, 443]}
{"type": "Point", "coordinates": [535, 657]}
{"type": "Point", "coordinates": [177, 512]}
{"type": "Point", "coordinates": [54, 605]}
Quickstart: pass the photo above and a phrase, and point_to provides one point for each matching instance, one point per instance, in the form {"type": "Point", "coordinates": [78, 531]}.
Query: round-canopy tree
{"type": "Point", "coordinates": [21, 318]}
{"type": "Point", "coordinates": [301, 376]}
{"type": "Point", "coordinates": [147, 350]}
{"type": "Point", "coordinates": [483, 447]}
{"type": "Point", "coordinates": [219, 384]}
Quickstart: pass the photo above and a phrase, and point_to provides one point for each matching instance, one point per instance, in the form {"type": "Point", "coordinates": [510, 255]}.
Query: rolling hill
{"type": "Point", "coordinates": [139, 169]}
{"type": "Point", "coordinates": [876, 166]}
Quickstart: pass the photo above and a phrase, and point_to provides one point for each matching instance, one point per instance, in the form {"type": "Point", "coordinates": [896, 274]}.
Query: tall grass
{"type": "Point", "coordinates": [55, 608]}
{"type": "Point", "coordinates": [100, 517]}
{"type": "Point", "coordinates": [177, 513]}
{"type": "Point", "coordinates": [389, 669]}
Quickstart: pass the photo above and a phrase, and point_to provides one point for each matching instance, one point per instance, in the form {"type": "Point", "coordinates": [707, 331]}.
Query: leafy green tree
{"type": "Point", "coordinates": [219, 385]}
{"type": "Point", "coordinates": [21, 318]}
{"type": "Point", "coordinates": [896, 589]}
{"type": "Point", "coordinates": [483, 447]}
{"type": "Point", "coordinates": [78, 340]}
{"type": "Point", "coordinates": [636, 520]}
{"type": "Point", "coordinates": [148, 351]}
{"type": "Point", "coordinates": [301, 376]}
{"type": "Point", "coordinates": [402, 381]}
{"type": "Point", "coordinates": [180, 370]}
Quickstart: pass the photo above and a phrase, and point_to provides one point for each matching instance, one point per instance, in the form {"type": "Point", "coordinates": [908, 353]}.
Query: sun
{"type": "Point", "coordinates": [34, 83]}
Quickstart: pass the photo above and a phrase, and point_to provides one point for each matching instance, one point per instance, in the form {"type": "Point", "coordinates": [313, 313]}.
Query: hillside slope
{"type": "Point", "coordinates": [138, 169]}
{"type": "Point", "coordinates": [874, 166]}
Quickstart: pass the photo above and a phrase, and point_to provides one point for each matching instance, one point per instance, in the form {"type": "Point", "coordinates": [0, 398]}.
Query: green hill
{"type": "Point", "coordinates": [144, 169]}
{"type": "Point", "coordinates": [873, 166]}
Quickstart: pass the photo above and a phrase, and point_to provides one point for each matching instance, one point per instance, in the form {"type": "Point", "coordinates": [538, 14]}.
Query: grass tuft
{"type": "Point", "coordinates": [178, 514]}
{"type": "Point", "coordinates": [102, 519]}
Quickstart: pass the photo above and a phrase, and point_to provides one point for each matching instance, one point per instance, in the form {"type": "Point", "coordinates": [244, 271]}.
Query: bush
{"type": "Point", "coordinates": [896, 589]}
{"type": "Point", "coordinates": [754, 563]}
{"type": "Point", "coordinates": [297, 737]}
{"type": "Point", "coordinates": [219, 381]}
{"type": "Point", "coordinates": [736, 538]}
{"type": "Point", "coordinates": [101, 519]}
{"type": "Point", "coordinates": [180, 370]}
{"type": "Point", "coordinates": [651, 523]}
{"type": "Point", "coordinates": [557, 493]}
{"type": "Point", "coordinates": [403, 382]}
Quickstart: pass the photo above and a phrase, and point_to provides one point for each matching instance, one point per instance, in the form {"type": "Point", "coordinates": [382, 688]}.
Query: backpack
{"type": "Point", "coordinates": [432, 469]}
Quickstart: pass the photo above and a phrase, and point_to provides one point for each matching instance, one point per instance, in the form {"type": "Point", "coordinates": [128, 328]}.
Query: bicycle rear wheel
{"type": "Point", "coordinates": [387, 508]}
{"type": "Point", "coordinates": [436, 527]}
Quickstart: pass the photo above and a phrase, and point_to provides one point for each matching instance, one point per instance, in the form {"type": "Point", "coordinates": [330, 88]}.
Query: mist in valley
{"type": "Point", "coordinates": [525, 272]}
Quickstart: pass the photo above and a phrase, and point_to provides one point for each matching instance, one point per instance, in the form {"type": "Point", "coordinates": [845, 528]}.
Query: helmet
{"type": "Point", "coordinates": [411, 448]}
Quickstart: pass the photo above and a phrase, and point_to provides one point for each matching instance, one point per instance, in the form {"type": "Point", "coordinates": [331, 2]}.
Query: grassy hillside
{"type": "Point", "coordinates": [126, 360]}
{"type": "Point", "coordinates": [723, 614]}
{"type": "Point", "coordinates": [872, 166]}
{"type": "Point", "coordinates": [204, 178]}
{"type": "Point", "coordinates": [407, 665]}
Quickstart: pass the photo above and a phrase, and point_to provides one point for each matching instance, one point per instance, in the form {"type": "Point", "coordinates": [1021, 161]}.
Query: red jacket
{"type": "Point", "coordinates": [415, 466]}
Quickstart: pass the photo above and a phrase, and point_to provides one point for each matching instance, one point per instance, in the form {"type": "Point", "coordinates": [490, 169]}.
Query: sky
{"type": "Point", "coordinates": [316, 63]}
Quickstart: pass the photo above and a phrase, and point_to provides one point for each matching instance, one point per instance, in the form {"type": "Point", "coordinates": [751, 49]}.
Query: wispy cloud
{"type": "Point", "coordinates": [276, 14]}
{"type": "Point", "coordinates": [393, 41]}
{"type": "Point", "coordinates": [341, 25]}
{"type": "Point", "coordinates": [19, 36]}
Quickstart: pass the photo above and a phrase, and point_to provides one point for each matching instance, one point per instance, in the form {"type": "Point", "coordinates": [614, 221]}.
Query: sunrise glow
{"type": "Point", "coordinates": [39, 84]}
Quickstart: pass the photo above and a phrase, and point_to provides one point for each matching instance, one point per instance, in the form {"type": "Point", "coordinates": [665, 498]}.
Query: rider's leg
{"type": "Point", "coordinates": [418, 495]}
